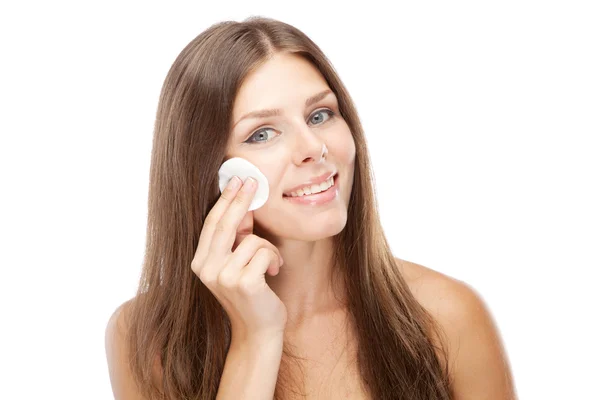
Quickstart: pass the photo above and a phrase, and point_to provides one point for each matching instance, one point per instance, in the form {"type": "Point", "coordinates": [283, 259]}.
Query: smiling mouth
{"type": "Point", "coordinates": [334, 177]}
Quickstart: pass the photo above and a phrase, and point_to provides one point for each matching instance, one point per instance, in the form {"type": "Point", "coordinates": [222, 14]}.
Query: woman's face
{"type": "Point", "coordinates": [301, 142]}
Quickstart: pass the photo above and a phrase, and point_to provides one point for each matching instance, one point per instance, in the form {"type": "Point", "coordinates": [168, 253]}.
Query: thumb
{"type": "Point", "coordinates": [245, 228]}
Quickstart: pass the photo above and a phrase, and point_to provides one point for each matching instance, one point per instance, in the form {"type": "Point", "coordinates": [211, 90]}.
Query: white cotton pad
{"type": "Point", "coordinates": [243, 168]}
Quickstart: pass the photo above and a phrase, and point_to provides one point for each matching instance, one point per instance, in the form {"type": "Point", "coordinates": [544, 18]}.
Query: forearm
{"type": "Point", "coordinates": [251, 370]}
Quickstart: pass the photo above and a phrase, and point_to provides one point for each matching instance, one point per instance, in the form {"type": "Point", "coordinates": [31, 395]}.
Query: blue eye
{"type": "Point", "coordinates": [263, 131]}
{"type": "Point", "coordinates": [329, 114]}
{"type": "Point", "coordinates": [257, 134]}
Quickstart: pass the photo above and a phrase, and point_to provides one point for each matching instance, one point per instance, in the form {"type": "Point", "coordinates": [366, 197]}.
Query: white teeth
{"type": "Point", "coordinates": [314, 188]}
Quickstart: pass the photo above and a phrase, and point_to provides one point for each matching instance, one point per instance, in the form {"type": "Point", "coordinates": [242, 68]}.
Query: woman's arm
{"type": "Point", "coordinates": [251, 369]}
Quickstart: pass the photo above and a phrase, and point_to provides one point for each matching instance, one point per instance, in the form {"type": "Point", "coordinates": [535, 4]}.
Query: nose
{"type": "Point", "coordinates": [309, 147]}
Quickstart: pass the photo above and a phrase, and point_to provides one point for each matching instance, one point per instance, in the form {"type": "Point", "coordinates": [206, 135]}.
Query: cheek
{"type": "Point", "coordinates": [342, 147]}
{"type": "Point", "coordinates": [272, 168]}
{"type": "Point", "coordinates": [271, 164]}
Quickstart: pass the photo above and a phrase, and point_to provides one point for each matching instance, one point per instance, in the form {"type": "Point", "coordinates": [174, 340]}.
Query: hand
{"type": "Point", "coordinates": [236, 277]}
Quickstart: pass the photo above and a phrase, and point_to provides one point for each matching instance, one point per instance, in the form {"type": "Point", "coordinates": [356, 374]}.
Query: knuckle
{"type": "Point", "coordinates": [239, 199]}
{"type": "Point", "coordinates": [210, 219]}
{"type": "Point", "coordinates": [264, 242]}
{"type": "Point", "coordinates": [226, 279]}
{"type": "Point", "coordinates": [251, 238]}
{"type": "Point", "coordinates": [226, 194]}
{"type": "Point", "coordinates": [220, 227]}
{"type": "Point", "coordinates": [263, 253]}
{"type": "Point", "coordinates": [246, 286]}
{"type": "Point", "coordinates": [205, 276]}
{"type": "Point", "coordinates": [229, 192]}
{"type": "Point", "coordinates": [259, 242]}
{"type": "Point", "coordinates": [196, 266]}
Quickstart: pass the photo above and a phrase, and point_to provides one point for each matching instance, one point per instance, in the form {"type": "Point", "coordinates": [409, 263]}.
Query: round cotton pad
{"type": "Point", "coordinates": [243, 168]}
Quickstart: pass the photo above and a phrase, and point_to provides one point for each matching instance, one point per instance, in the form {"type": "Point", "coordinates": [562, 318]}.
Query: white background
{"type": "Point", "coordinates": [482, 119]}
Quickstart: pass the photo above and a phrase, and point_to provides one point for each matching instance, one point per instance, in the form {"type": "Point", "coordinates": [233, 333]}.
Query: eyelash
{"type": "Point", "coordinates": [324, 110]}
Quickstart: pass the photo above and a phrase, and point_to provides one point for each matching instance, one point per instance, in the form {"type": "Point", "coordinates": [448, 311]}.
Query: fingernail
{"type": "Point", "coordinates": [248, 184]}
{"type": "Point", "coordinates": [280, 261]}
{"type": "Point", "coordinates": [234, 183]}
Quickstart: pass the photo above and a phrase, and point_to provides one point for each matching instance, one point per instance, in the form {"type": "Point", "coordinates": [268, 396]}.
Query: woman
{"type": "Point", "coordinates": [301, 298]}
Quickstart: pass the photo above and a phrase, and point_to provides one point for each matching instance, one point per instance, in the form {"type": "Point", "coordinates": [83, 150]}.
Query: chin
{"type": "Point", "coordinates": [306, 229]}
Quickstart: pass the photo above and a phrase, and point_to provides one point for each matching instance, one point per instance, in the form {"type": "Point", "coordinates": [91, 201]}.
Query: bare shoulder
{"type": "Point", "coordinates": [116, 330]}
{"type": "Point", "coordinates": [117, 354]}
{"type": "Point", "coordinates": [478, 363]}
{"type": "Point", "coordinates": [436, 291]}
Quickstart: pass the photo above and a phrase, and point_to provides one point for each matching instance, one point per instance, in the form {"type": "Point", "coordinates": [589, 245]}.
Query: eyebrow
{"type": "Point", "coordinates": [277, 111]}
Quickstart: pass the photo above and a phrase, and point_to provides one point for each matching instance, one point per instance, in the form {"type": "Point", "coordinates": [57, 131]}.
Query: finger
{"type": "Point", "coordinates": [245, 228]}
{"type": "Point", "coordinates": [254, 272]}
{"type": "Point", "coordinates": [246, 251]}
{"type": "Point", "coordinates": [226, 228]}
{"type": "Point", "coordinates": [215, 215]}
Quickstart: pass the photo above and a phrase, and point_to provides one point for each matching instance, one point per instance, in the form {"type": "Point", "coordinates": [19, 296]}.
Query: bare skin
{"type": "Point", "coordinates": [478, 361]}
{"type": "Point", "coordinates": [289, 150]}
{"type": "Point", "coordinates": [303, 142]}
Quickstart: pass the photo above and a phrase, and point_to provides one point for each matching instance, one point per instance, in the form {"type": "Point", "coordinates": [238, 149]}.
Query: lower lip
{"type": "Point", "coordinates": [319, 198]}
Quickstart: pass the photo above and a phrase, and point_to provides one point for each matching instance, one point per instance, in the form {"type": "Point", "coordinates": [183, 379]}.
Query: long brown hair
{"type": "Point", "coordinates": [175, 319]}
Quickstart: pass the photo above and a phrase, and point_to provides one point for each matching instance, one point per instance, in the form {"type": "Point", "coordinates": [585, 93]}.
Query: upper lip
{"type": "Point", "coordinates": [312, 181]}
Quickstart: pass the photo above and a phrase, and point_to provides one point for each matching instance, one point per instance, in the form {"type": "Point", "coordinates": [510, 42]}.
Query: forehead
{"type": "Point", "coordinates": [285, 79]}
